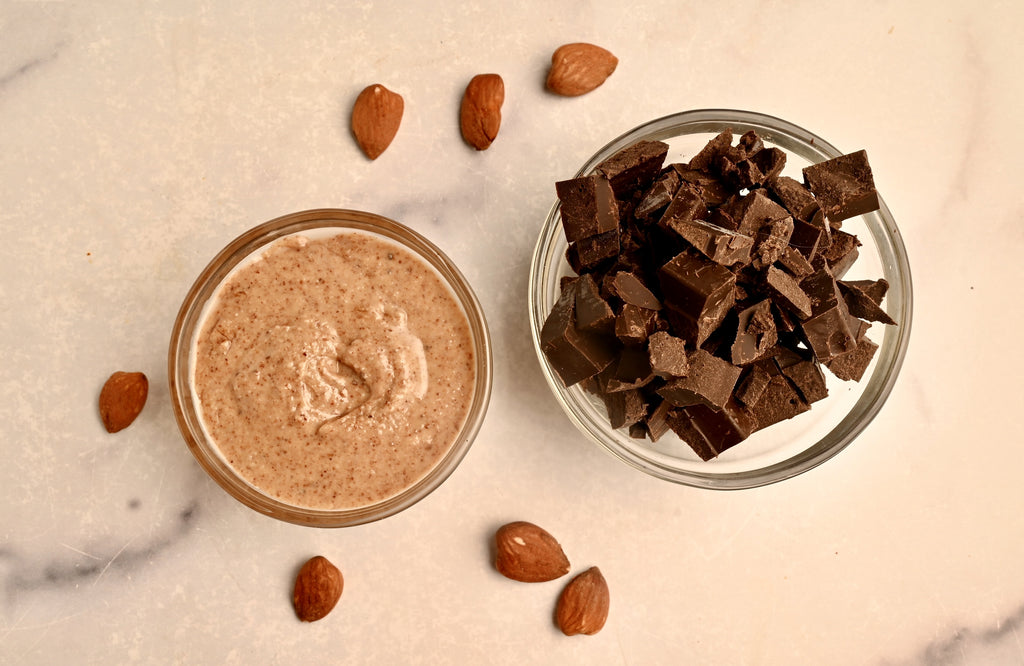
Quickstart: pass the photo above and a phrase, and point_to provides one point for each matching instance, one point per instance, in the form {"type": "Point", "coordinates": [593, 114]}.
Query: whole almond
{"type": "Point", "coordinates": [528, 553]}
{"type": "Point", "coordinates": [583, 605]}
{"type": "Point", "coordinates": [318, 587]}
{"type": "Point", "coordinates": [122, 398]}
{"type": "Point", "coordinates": [480, 113]}
{"type": "Point", "coordinates": [376, 116]}
{"type": "Point", "coordinates": [578, 68]}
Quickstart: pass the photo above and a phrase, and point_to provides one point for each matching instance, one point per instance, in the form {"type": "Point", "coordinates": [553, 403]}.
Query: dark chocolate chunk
{"type": "Point", "coordinates": [720, 245]}
{"type": "Point", "coordinates": [631, 290]}
{"type": "Point", "coordinates": [632, 371]}
{"type": "Point", "coordinates": [710, 432]}
{"type": "Point", "coordinates": [685, 206]}
{"type": "Point", "coordinates": [753, 383]}
{"type": "Point", "coordinates": [778, 402]}
{"type": "Point", "coordinates": [788, 292]}
{"type": "Point", "coordinates": [574, 355]}
{"type": "Point", "coordinates": [756, 210]}
{"type": "Point", "coordinates": [667, 355]}
{"type": "Point", "coordinates": [710, 153]}
{"type": "Point", "coordinates": [710, 188]}
{"type": "Point", "coordinates": [634, 324]}
{"type": "Point", "coordinates": [635, 167]}
{"type": "Point", "coordinates": [808, 379]}
{"type": "Point", "coordinates": [771, 241]}
{"type": "Point", "coordinates": [625, 408]}
{"type": "Point", "coordinates": [806, 239]}
{"type": "Point", "coordinates": [873, 289]}
{"type": "Point", "coordinates": [795, 263]}
{"type": "Point", "coordinates": [770, 161]}
{"type": "Point", "coordinates": [844, 186]}
{"type": "Point", "coordinates": [860, 302]}
{"type": "Point", "coordinates": [710, 381]}
{"type": "Point", "coordinates": [657, 419]}
{"type": "Point", "coordinates": [698, 289]}
{"type": "Point", "coordinates": [592, 311]}
{"type": "Point", "coordinates": [842, 253]}
{"type": "Point", "coordinates": [588, 253]}
{"type": "Point", "coordinates": [794, 197]}
{"type": "Point", "coordinates": [588, 207]}
{"type": "Point", "coordinates": [851, 365]}
{"type": "Point", "coordinates": [755, 333]}
{"type": "Point", "coordinates": [827, 330]}
{"type": "Point", "coordinates": [658, 196]}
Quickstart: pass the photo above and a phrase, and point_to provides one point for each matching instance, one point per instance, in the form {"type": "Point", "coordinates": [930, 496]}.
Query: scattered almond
{"type": "Point", "coordinates": [122, 398]}
{"type": "Point", "coordinates": [528, 553]}
{"type": "Point", "coordinates": [583, 605]}
{"type": "Point", "coordinates": [578, 68]}
{"type": "Point", "coordinates": [480, 113]}
{"type": "Point", "coordinates": [317, 589]}
{"type": "Point", "coordinates": [376, 116]}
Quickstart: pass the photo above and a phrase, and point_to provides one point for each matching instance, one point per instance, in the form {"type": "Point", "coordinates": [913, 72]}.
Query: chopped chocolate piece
{"type": "Point", "coordinates": [635, 167]}
{"type": "Point", "coordinates": [780, 401]}
{"type": "Point", "coordinates": [638, 430]}
{"type": "Point", "coordinates": [574, 355]}
{"type": "Point", "coordinates": [686, 206]}
{"type": "Point", "coordinates": [788, 293]}
{"type": "Point", "coordinates": [632, 371]}
{"type": "Point", "coordinates": [794, 197]}
{"type": "Point", "coordinates": [873, 289]}
{"type": "Point", "coordinates": [742, 175]}
{"type": "Point", "coordinates": [821, 222]}
{"type": "Point", "coordinates": [565, 282]}
{"type": "Point", "coordinates": [700, 290]}
{"type": "Point", "coordinates": [625, 408]}
{"type": "Point", "coordinates": [770, 162]}
{"type": "Point", "coordinates": [712, 190]}
{"type": "Point", "coordinates": [842, 253]}
{"type": "Point", "coordinates": [592, 311]}
{"type": "Point", "coordinates": [756, 210]}
{"type": "Point", "coordinates": [657, 419]}
{"type": "Point", "coordinates": [634, 324]}
{"type": "Point", "coordinates": [720, 245]}
{"type": "Point", "coordinates": [631, 290]}
{"type": "Point", "coordinates": [808, 379]}
{"type": "Point", "coordinates": [748, 144]}
{"type": "Point", "coordinates": [795, 263]}
{"type": "Point", "coordinates": [703, 160]}
{"type": "Point", "coordinates": [860, 301]}
{"type": "Point", "coordinates": [588, 207]}
{"type": "Point", "coordinates": [755, 333]}
{"type": "Point", "coordinates": [844, 186]}
{"type": "Point", "coordinates": [710, 432]}
{"type": "Point", "coordinates": [589, 253]}
{"type": "Point", "coordinates": [752, 386]}
{"type": "Point", "coordinates": [667, 355]}
{"type": "Point", "coordinates": [806, 239]}
{"type": "Point", "coordinates": [851, 365]}
{"type": "Point", "coordinates": [710, 381]}
{"type": "Point", "coordinates": [827, 331]}
{"type": "Point", "coordinates": [771, 241]}
{"type": "Point", "coordinates": [658, 196]}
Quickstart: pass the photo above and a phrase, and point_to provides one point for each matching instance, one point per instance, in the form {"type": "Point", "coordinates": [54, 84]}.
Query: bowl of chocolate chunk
{"type": "Point", "coordinates": [721, 298]}
{"type": "Point", "coordinates": [330, 368]}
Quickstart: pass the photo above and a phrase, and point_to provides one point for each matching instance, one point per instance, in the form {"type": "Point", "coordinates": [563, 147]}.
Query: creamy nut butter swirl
{"type": "Point", "coordinates": [334, 373]}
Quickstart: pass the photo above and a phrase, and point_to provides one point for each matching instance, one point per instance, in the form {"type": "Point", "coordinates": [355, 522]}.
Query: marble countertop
{"type": "Point", "coordinates": [137, 139]}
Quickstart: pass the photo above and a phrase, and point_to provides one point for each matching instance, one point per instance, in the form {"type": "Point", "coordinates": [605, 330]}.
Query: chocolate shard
{"type": "Point", "coordinates": [795, 263]}
{"type": "Point", "coordinates": [708, 186]}
{"type": "Point", "coordinates": [827, 330]}
{"type": "Point", "coordinates": [754, 381]}
{"type": "Point", "coordinates": [711, 432]}
{"type": "Point", "coordinates": [686, 206]}
{"type": "Point", "coordinates": [755, 333]}
{"type": "Point", "coordinates": [778, 402]}
{"type": "Point", "coordinates": [808, 379]}
{"type": "Point", "coordinates": [861, 302]}
{"type": "Point", "coordinates": [588, 207]}
{"type": "Point", "coordinates": [771, 241]}
{"type": "Point", "coordinates": [806, 239]}
{"type": "Point", "coordinates": [873, 289]}
{"type": "Point", "coordinates": [625, 408]}
{"type": "Point", "coordinates": [658, 196]}
{"type": "Point", "coordinates": [587, 254]}
{"type": "Point", "coordinates": [787, 293]}
{"type": "Point", "coordinates": [710, 381]}
{"type": "Point", "coordinates": [631, 371]}
{"type": "Point", "coordinates": [852, 365]}
{"type": "Point", "coordinates": [756, 210]}
{"type": "Point", "coordinates": [794, 197]}
{"type": "Point", "coordinates": [844, 186]}
{"type": "Point", "coordinates": [842, 253]}
{"type": "Point", "coordinates": [770, 161]}
{"type": "Point", "coordinates": [667, 355]}
{"type": "Point", "coordinates": [592, 310]}
{"type": "Point", "coordinates": [698, 289]}
{"type": "Point", "coordinates": [710, 153]}
{"type": "Point", "coordinates": [657, 419]}
{"type": "Point", "coordinates": [574, 355]}
{"type": "Point", "coordinates": [634, 324]}
{"type": "Point", "coordinates": [631, 290]}
{"type": "Point", "coordinates": [635, 167]}
{"type": "Point", "coordinates": [720, 245]}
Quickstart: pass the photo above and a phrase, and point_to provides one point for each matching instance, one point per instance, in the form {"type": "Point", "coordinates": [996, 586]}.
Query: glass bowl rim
{"type": "Point", "coordinates": [205, 286]}
{"type": "Point", "coordinates": [892, 350]}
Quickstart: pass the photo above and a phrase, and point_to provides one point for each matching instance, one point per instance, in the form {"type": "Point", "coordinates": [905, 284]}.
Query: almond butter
{"type": "Point", "coordinates": [376, 116]}
{"type": "Point", "coordinates": [122, 398]}
{"type": "Point", "coordinates": [582, 607]}
{"type": "Point", "coordinates": [480, 113]}
{"type": "Point", "coordinates": [578, 68]}
{"type": "Point", "coordinates": [528, 553]}
{"type": "Point", "coordinates": [318, 587]}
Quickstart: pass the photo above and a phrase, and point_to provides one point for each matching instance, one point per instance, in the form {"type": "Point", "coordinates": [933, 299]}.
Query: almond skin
{"type": "Point", "coordinates": [529, 554]}
{"type": "Point", "coordinates": [583, 605]}
{"type": "Point", "coordinates": [578, 68]}
{"type": "Point", "coordinates": [480, 112]}
{"type": "Point", "coordinates": [376, 116]}
{"type": "Point", "coordinates": [122, 398]}
{"type": "Point", "coordinates": [318, 587]}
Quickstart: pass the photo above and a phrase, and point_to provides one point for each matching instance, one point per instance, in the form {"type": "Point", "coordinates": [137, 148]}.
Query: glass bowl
{"type": "Point", "coordinates": [787, 448]}
{"type": "Point", "coordinates": [181, 362]}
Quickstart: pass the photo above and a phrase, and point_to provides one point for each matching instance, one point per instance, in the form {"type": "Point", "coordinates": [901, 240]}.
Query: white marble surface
{"type": "Point", "coordinates": [138, 138]}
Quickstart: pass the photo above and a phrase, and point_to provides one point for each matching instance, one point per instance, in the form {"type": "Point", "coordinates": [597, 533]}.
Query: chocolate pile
{"type": "Point", "coordinates": [709, 294]}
